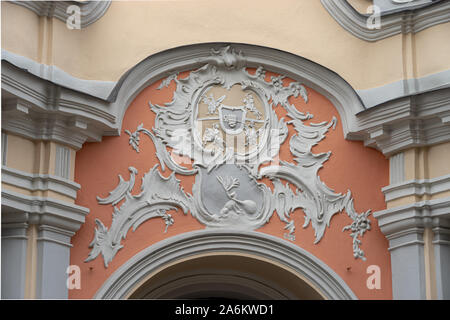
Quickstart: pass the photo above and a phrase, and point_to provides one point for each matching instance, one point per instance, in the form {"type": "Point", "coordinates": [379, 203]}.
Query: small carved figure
{"type": "Point", "coordinates": [251, 135]}
{"type": "Point", "coordinates": [260, 72]}
{"type": "Point", "coordinates": [250, 105]}
{"type": "Point", "coordinates": [213, 135]}
{"type": "Point", "coordinates": [212, 103]}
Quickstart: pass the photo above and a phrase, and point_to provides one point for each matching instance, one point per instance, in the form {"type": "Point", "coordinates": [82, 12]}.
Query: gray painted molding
{"type": "Point", "coordinates": [98, 89]}
{"type": "Point", "coordinates": [391, 6]}
{"type": "Point", "coordinates": [397, 168]}
{"type": "Point", "coordinates": [4, 147]}
{"type": "Point", "coordinates": [404, 227]}
{"type": "Point", "coordinates": [417, 187]}
{"type": "Point", "coordinates": [62, 162]}
{"type": "Point", "coordinates": [403, 88]}
{"type": "Point", "coordinates": [412, 20]}
{"type": "Point", "coordinates": [91, 11]}
{"type": "Point", "coordinates": [417, 120]}
{"type": "Point", "coordinates": [39, 110]}
{"type": "Point", "coordinates": [441, 242]}
{"type": "Point", "coordinates": [53, 258]}
{"type": "Point", "coordinates": [88, 118]}
{"type": "Point", "coordinates": [106, 90]}
{"type": "Point", "coordinates": [56, 223]}
{"type": "Point", "coordinates": [397, 221]}
{"type": "Point", "coordinates": [420, 214]}
{"type": "Point", "coordinates": [14, 256]}
{"type": "Point", "coordinates": [39, 182]}
{"type": "Point", "coordinates": [45, 211]}
{"type": "Point", "coordinates": [412, 218]}
{"type": "Point", "coordinates": [124, 280]}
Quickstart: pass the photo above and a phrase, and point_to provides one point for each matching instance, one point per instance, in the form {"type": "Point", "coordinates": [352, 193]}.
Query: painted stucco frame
{"type": "Point", "coordinates": [122, 283]}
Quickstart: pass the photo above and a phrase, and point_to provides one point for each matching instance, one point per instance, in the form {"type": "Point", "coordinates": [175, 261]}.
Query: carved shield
{"type": "Point", "coordinates": [232, 119]}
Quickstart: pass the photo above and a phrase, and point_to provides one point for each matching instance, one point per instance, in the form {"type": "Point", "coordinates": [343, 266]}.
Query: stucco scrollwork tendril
{"type": "Point", "coordinates": [158, 195]}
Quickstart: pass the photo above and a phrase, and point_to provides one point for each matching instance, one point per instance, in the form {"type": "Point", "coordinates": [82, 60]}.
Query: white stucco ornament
{"type": "Point", "coordinates": [222, 117]}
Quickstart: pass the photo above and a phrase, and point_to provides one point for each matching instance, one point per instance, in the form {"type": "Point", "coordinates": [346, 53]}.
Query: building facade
{"type": "Point", "coordinates": [238, 149]}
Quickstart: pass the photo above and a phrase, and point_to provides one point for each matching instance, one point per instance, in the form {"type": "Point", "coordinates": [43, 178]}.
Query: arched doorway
{"type": "Point", "coordinates": [226, 275]}
{"type": "Point", "coordinates": [224, 264]}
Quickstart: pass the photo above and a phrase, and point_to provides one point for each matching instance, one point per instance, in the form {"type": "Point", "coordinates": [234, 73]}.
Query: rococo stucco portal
{"type": "Point", "coordinates": [222, 118]}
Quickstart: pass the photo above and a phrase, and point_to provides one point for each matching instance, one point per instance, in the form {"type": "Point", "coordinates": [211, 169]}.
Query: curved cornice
{"type": "Point", "coordinates": [125, 279]}
{"type": "Point", "coordinates": [33, 182]}
{"type": "Point", "coordinates": [412, 20]}
{"type": "Point", "coordinates": [168, 62]}
{"type": "Point", "coordinates": [413, 217]}
{"type": "Point", "coordinates": [53, 74]}
{"type": "Point", "coordinates": [79, 110]}
{"type": "Point", "coordinates": [91, 11]}
{"type": "Point", "coordinates": [110, 111]}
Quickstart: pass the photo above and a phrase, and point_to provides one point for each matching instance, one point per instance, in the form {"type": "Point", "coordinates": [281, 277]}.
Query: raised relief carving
{"type": "Point", "coordinates": [158, 195]}
{"type": "Point", "coordinates": [234, 205]}
{"type": "Point", "coordinates": [222, 118]}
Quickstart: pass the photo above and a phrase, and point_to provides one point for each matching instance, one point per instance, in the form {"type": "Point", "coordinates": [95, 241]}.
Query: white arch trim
{"type": "Point", "coordinates": [313, 75]}
{"type": "Point", "coordinates": [133, 273]}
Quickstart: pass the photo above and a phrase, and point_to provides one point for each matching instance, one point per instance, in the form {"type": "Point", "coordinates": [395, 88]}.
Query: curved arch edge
{"type": "Point", "coordinates": [125, 279]}
{"type": "Point", "coordinates": [414, 19]}
{"type": "Point", "coordinates": [90, 11]}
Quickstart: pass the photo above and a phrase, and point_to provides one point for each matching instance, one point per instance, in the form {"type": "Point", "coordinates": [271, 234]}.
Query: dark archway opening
{"type": "Point", "coordinates": [225, 276]}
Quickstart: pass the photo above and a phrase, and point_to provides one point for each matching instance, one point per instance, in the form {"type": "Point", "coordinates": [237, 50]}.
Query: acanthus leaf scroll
{"type": "Point", "coordinates": [215, 104]}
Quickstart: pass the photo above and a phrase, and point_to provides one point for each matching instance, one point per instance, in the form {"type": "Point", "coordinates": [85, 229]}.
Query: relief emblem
{"type": "Point", "coordinates": [233, 118]}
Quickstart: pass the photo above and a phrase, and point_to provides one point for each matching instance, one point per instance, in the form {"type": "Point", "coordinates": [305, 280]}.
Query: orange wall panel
{"type": "Point", "coordinates": [351, 166]}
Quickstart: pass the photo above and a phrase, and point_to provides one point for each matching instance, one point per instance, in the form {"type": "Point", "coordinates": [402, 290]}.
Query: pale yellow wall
{"type": "Point", "coordinates": [42, 157]}
{"type": "Point", "coordinates": [15, 157]}
{"type": "Point", "coordinates": [415, 168]}
{"type": "Point", "coordinates": [439, 159]}
{"type": "Point", "coordinates": [433, 49]}
{"type": "Point", "coordinates": [425, 163]}
{"type": "Point", "coordinates": [35, 157]}
{"type": "Point", "coordinates": [401, 201]}
{"type": "Point", "coordinates": [413, 199]}
{"type": "Point", "coordinates": [20, 30]}
{"type": "Point", "coordinates": [39, 156]}
{"type": "Point", "coordinates": [132, 30]}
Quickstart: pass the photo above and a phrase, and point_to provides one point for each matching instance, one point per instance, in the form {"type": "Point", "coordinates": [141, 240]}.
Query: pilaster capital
{"type": "Point", "coordinates": [20, 208]}
{"type": "Point", "coordinates": [414, 218]}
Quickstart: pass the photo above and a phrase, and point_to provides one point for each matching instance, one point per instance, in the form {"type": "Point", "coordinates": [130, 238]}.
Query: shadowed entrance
{"type": "Point", "coordinates": [225, 276]}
